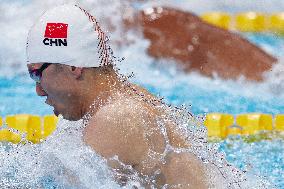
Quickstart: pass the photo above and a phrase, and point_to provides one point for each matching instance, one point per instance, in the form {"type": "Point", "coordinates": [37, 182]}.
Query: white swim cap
{"type": "Point", "coordinates": [69, 35]}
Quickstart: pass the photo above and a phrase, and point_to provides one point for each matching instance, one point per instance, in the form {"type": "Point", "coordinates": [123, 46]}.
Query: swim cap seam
{"type": "Point", "coordinates": [102, 46]}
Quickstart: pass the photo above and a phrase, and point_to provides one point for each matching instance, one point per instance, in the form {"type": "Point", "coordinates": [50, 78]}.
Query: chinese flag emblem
{"type": "Point", "coordinates": [56, 30]}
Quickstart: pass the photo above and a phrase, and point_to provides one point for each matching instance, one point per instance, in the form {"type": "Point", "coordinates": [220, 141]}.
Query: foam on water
{"type": "Point", "coordinates": [62, 161]}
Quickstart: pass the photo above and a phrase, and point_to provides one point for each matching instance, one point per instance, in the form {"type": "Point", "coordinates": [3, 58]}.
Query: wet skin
{"type": "Point", "coordinates": [58, 88]}
{"type": "Point", "coordinates": [125, 126]}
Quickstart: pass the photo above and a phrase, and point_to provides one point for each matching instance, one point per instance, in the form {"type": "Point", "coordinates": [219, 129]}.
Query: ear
{"type": "Point", "coordinates": [76, 71]}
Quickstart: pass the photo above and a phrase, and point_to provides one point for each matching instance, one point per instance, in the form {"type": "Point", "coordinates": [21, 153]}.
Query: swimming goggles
{"type": "Point", "coordinates": [36, 74]}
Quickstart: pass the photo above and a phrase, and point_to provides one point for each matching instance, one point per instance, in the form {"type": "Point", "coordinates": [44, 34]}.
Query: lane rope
{"type": "Point", "coordinates": [247, 21]}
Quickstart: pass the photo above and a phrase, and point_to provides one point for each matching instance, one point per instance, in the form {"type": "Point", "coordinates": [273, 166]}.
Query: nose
{"type": "Point", "coordinates": [39, 90]}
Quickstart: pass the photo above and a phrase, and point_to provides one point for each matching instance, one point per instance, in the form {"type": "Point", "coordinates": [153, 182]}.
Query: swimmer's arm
{"type": "Point", "coordinates": [123, 134]}
{"type": "Point", "coordinates": [184, 170]}
{"type": "Point", "coordinates": [118, 132]}
{"type": "Point", "coordinates": [180, 171]}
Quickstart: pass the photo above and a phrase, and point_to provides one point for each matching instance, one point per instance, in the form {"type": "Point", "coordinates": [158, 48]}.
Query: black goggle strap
{"type": "Point", "coordinates": [45, 65]}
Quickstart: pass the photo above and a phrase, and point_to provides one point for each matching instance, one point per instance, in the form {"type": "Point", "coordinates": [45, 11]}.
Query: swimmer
{"type": "Point", "coordinates": [68, 58]}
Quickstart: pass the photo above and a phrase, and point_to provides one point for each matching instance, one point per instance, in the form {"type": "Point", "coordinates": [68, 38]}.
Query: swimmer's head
{"type": "Point", "coordinates": [71, 90]}
{"type": "Point", "coordinates": [67, 56]}
{"type": "Point", "coordinates": [68, 35]}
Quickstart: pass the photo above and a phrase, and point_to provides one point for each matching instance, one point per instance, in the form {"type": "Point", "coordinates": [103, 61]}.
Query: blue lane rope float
{"type": "Point", "coordinates": [34, 128]}
{"type": "Point", "coordinates": [247, 21]}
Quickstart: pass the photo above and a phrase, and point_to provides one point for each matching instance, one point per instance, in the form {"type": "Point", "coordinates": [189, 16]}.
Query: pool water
{"type": "Point", "coordinates": [265, 158]}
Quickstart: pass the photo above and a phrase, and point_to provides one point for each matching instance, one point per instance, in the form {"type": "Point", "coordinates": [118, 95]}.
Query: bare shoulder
{"type": "Point", "coordinates": [119, 129]}
{"type": "Point", "coordinates": [122, 107]}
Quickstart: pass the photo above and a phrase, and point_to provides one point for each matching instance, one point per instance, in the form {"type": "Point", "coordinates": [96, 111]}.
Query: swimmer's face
{"type": "Point", "coordinates": [57, 83]}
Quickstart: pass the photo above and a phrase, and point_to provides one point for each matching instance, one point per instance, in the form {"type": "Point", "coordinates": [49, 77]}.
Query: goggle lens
{"type": "Point", "coordinates": [36, 74]}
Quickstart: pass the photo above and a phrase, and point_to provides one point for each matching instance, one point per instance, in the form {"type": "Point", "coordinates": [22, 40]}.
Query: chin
{"type": "Point", "coordinates": [70, 117]}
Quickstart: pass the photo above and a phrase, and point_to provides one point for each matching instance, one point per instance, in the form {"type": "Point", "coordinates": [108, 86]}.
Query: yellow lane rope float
{"type": "Point", "coordinates": [257, 125]}
{"type": "Point", "coordinates": [34, 128]}
{"type": "Point", "coordinates": [25, 127]}
{"type": "Point", "coordinates": [247, 21]}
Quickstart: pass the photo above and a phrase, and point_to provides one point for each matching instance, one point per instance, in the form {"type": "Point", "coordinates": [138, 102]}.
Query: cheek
{"type": "Point", "coordinates": [52, 86]}
{"type": "Point", "coordinates": [59, 90]}
{"type": "Point", "coordinates": [60, 96]}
